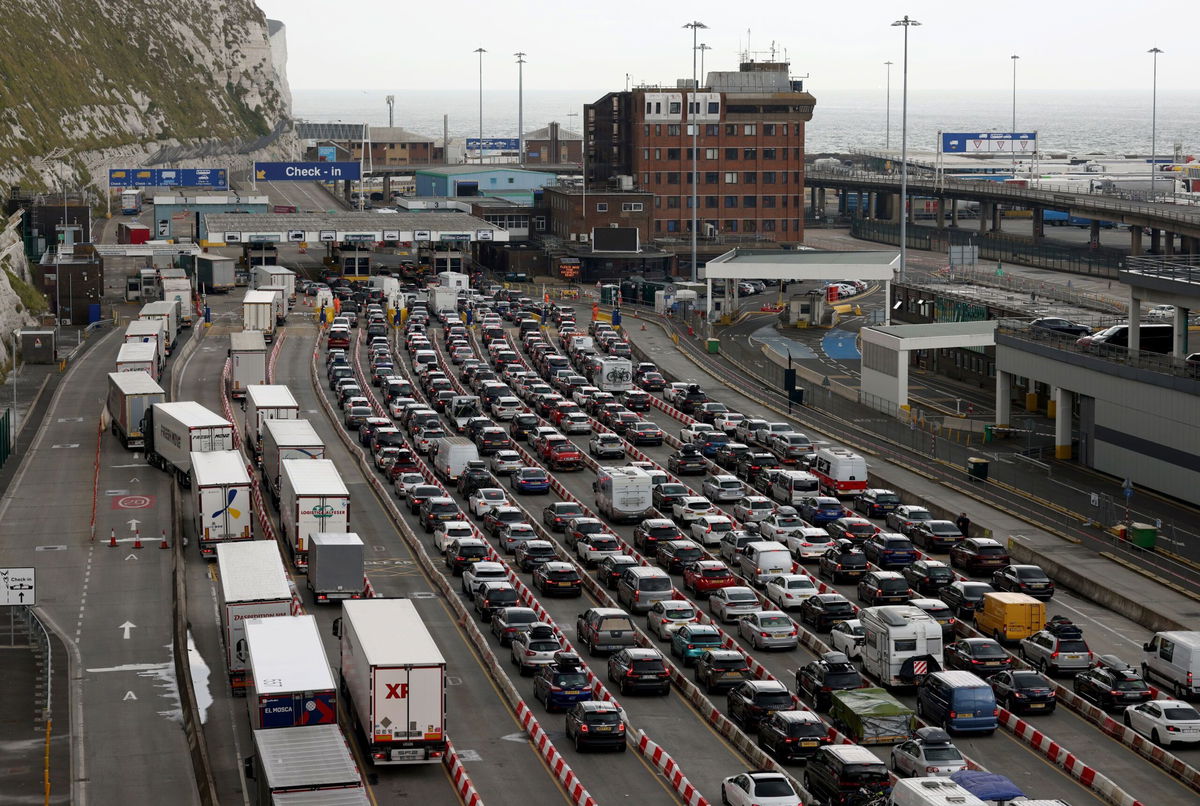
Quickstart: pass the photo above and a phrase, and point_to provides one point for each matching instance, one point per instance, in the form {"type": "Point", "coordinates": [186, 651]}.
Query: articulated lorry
{"type": "Point", "coordinates": [335, 567]}
{"type": "Point", "coordinates": [168, 311]}
{"type": "Point", "coordinates": [258, 313]}
{"type": "Point", "coordinates": [248, 357]}
{"type": "Point", "coordinates": [178, 287]}
{"type": "Point", "coordinates": [267, 402]}
{"type": "Point", "coordinates": [309, 764]}
{"type": "Point", "coordinates": [290, 683]}
{"type": "Point", "coordinates": [286, 439]}
{"type": "Point", "coordinates": [253, 585]}
{"type": "Point", "coordinates": [174, 431]}
{"type": "Point", "coordinates": [139, 356]}
{"type": "Point", "coordinates": [312, 498]}
{"type": "Point", "coordinates": [222, 510]}
{"type": "Point", "coordinates": [277, 276]}
{"type": "Point", "coordinates": [215, 273]}
{"type": "Point", "coordinates": [130, 395]}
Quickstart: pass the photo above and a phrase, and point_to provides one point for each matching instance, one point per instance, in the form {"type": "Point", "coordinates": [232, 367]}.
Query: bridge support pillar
{"type": "Point", "coordinates": [1003, 398]}
{"type": "Point", "coordinates": [1039, 223]}
{"type": "Point", "coordinates": [1179, 333]}
{"type": "Point", "coordinates": [911, 211]}
{"type": "Point", "coordinates": [1155, 241]}
{"type": "Point", "coordinates": [1135, 321]}
{"type": "Point", "coordinates": [872, 205]}
{"type": "Point", "coordinates": [941, 212]}
{"type": "Point", "coordinates": [1135, 241]}
{"type": "Point", "coordinates": [985, 212]}
{"type": "Point", "coordinates": [894, 209]}
{"type": "Point", "coordinates": [1094, 234]}
{"type": "Point", "coordinates": [812, 202]}
{"type": "Point", "coordinates": [1063, 405]}
{"type": "Point", "coordinates": [346, 190]}
{"type": "Point", "coordinates": [1169, 247]}
{"type": "Point", "coordinates": [954, 213]}
{"type": "Point", "coordinates": [387, 189]}
{"type": "Point", "coordinates": [996, 225]}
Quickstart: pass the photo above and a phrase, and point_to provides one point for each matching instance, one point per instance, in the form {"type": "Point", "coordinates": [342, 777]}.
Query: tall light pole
{"type": "Point", "coordinates": [695, 25]}
{"type": "Point", "coordinates": [905, 23]}
{"type": "Point", "coordinates": [520, 107]}
{"type": "Point", "coordinates": [887, 140]}
{"type": "Point", "coordinates": [703, 47]}
{"type": "Point", "coordinates": [480, 51]}
{"type": "Point", "coordinates": [1012, 143]}
{"type": "Point", "coordinates": [1154, 122]}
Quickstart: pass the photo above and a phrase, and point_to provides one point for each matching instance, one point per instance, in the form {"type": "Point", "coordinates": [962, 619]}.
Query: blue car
{"type": "Point", "coordinates": [821, 509]}
{"type": "Point", "coordinates": [691, 640]}
{"type": "Point", "coordinates": [561, 684]}
{"type": "Point", "coordinates": [711, 441]}
{"type": "Point", "coordinates": [890, 550]}
{"type": "Point", "coordinates": [530, 480]}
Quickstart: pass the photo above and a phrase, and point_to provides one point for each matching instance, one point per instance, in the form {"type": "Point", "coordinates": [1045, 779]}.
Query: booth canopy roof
{"type": "Point", "coordinates": [741, 264]}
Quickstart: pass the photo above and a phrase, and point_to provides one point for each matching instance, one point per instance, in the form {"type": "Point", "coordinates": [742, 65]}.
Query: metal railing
{"type": "Point", "coordinates": [974, 275]}
{"type": "Point", "coordinates": [1141, 359]}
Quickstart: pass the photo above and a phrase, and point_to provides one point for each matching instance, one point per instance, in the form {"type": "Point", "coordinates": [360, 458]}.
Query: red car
{"type": "Point", "coordinates": [559, 412]}
{"type": "Point", "coordinates": [705, 576]}
{"type": "Point", "coordinates": [564, 456]}
{"type": "Point", "coordinates": [405, 462]}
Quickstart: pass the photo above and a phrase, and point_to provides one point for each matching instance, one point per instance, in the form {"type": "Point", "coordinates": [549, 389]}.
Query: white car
{"type": "Point", "coordinates": [583, 394]}
{"type": "Point", "coordinates": [753, 508]}
{"type": "Point", "coordinates": [707, 530]}
{"type": "Point", "coordinates": [692, 432]}
{"type": "Point", "coordinates": [747, 430]}
{"type": "Point", "coordinates": [765, 434]}
{"type": "Point", "coordinates": [576, 423]}
{"type": "Point", "coordinates": [475, 574]}
{"type": "Point", "coordinates": [784, 522]}
{"type": "Point", "coordinates": [1165, 722]}
{"type": "Point", "coordinates": [406, 481]}
{"type": "Point", "coordinates": [790, 590]}
{"type": "Point", "coordinates": [808, 543]}
{"type": "Point", "coordinates": [591, 549]}
{"type": "Point", "coordinates": [690, 507]}
{"type": "Point", "coordinates": [485, 499]}
{"type": "Point", "coordinates": [728, 422]}
{"type": "Point", "coordinates": [758, 789]}
{"type": "Point", "coordinates": [730, 604]}
{"type": "Point", "coordinates": [534, 647]}
{"type": "Point", "coordinates": [668, 615]}
{"type": "Point", "coordinates": [398, 405]}
{"type": "Point", "coordinates": [673, 391]}
{"type": "Point", "coordinates": [505, 408]}
{"type": "Point", "coordinates": [446, 532]}
{"type": "Point", "coordinates": [848, 637]}
{"type": "Point", "coordinates": [512, 535]}
{"type": "Point", "coordinates": [506, 462]}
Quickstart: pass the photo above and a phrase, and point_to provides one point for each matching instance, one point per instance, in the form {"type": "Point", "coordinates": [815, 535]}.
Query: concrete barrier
{"type": "Point", "coordinates": [670, 770]}
{"type": "Point", "coordinates": [459, 778]}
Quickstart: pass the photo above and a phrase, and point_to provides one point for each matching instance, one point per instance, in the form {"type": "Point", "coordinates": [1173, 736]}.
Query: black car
{"type": "Point", "coordinates": [687, 461]}
{"type": "Point", "coordinates": [492, 595]}
{"type": "Point", "coordinates": [557, 579]}
{"type": "Point", "coordinates": [983, 656]}
{"type": "Point", "coordinates": [842, 561]}
{"type": "Point", "coordinates": [691, 399]}
{"type": "Point", "coordinates": [752, 463]}
{"type": "Point", "coordinates": [833, 671]}
{"type": "Point", "coordinates": [522, 426]}
{"type": "Point", "coordinates": [1060, 325]}
{"type": "Point", "coordinates": [792, 736]}
{"type": "Point", "coordinates": [419, 494]}
{"type": "Point", "coordinates": [729, 454]}
{"type": "Point", "coordinates": [1111, 683]}
{"type": "Point", "coordinates": [928, 576]}
{"type": "Point", "coordinates": [1028, 579]}
{"type": "Point", "coordinates": [609, 571]}
{"type": "Point", "coordinates": [1022, 691]}
{"type": "Point", "coordinates": [665, 495]}
{"type": "Point", "coordinates": [651, 530]}
{"type": "Point", "coordinates": [639, 669]}
{"type": "Point", "coordinates": [556, 515]}
{"type": "Point", "coordinates": [475, 477]}
{"type": "Point", "coordinates": [595, 723]}
{"type": "Point", "coordinates": [644, 433]}
{"type": "Point", "coordinates": [823, 610]}
{"type": "Point", "coordinates": [964, 598]}
{"type": "Point", "coordinates": [750, 702]}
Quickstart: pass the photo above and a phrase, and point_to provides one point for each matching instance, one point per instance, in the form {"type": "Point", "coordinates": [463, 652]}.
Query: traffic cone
{"type": "Point", "coordinates": [643, 325]}
{"type": "Point", "coordinates": [112, 538]}
{"type": "Point", "coordinates": [137, 539]}
{"type": "Point", "coordinates": [164, 544]}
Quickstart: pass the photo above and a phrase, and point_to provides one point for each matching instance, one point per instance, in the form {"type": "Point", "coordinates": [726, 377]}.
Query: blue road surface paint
{"type": "Point", "coordinates": [840, 345]}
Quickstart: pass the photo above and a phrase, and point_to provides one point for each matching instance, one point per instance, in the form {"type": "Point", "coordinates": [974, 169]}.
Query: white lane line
{"type": "Point", "coordinates": [1105, 627]}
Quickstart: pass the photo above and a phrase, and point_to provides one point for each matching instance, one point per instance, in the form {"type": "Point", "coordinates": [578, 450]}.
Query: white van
{"type": "Point", "coordinates": [791, 486]}
{"type": "Point", "coordinates": [763, 559]}
{"type": "Point", "coordinates": [930, 792]}
{"type": "Point", "coordinates": [1173, 659]}
{"type": "Point", "coordinates": [451, 455]}
{"type": "Point", "coordinates": [840, 472]}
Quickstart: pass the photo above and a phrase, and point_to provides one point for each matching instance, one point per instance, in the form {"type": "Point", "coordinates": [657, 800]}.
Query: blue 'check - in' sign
{"type": "Point", "coordinates": [305, 171]}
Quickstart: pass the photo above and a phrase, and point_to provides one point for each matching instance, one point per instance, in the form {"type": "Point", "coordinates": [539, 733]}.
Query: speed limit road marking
{"type": "Point", "coordinates": [133, 502]}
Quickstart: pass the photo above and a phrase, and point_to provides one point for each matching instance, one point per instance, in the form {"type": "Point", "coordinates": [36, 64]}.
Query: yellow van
{"type": "Point", "coordinates": [1010, 616]}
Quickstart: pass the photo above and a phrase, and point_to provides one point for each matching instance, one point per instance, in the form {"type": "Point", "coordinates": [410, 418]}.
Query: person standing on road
{"type": "Point", "coordinates": [964, 524]}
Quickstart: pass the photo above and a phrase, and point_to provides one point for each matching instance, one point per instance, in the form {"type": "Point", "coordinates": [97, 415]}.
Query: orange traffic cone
{"type": "Point", "coordinates": [112, 538]}
{"type": "Point", "coordinates": [164, 544]}
{"type": "Point", "coordinates": [137, 539]}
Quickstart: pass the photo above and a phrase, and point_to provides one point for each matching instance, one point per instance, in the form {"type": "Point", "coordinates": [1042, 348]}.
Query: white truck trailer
{"type": "Point", "coordinates": [149, 331]}
{"type": "Point", "coordinates": [395, 680]}
{"type": "Point", "coordinates": [312, 498]}
{"type": "Point", "coordinates": [286, 439]}
{"type": "Point", "coordinates": [173, 431]}
{"type": "Point", "coordinates": [130, 394]}
{"type": "Point", "coordinates": [453, 279]}
{"type": "Point", "coordinates": [215, 273]}
{"type": "Point", "coordinates": [624, 494]}
{"type": "Point", "coordinates": [267, 402]}
{"type": "Point", "coordinates": [310, 764]}
{"type": "Point", "coordinates": [278, 299]}
{"type": "Point", "coordinates": [167, 311]}
{"type": "Point", "coordinates": [221, 504]}
{"type": "Point", "coordinates": [445, 300]}
{"type": "Point", "coordinates": [178, 287]}
{"type": "Point", "coordinates": [258, 313]}
{"type": "Point", "coordinates": [248, 357]}
{"type": "Point", "coordinates": [139, 356]}
{"type": "Point", "coordinates": [290, 683]}
{"type": "Point", "coordinates": [277, 276]}
{"type": "Point", "coordinates": [253, 584]}
{"type": "Point", "coordinates": [335, 567]}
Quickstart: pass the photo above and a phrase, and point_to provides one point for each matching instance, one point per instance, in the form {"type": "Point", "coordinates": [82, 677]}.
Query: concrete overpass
{"type": "Point", "coordinates": [879, 198]}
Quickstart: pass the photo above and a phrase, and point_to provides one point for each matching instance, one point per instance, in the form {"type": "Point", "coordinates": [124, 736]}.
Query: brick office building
{"type": "Point", "coordinates": [750, 146]}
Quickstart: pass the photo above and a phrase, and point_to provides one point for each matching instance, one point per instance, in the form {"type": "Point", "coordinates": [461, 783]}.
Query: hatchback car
{"type": "Point", "coordinates": [508, 621]}
{"type": "Point", "coordinates": [595, 724]}
{"type": "Point", "coordinates": [639, 669]}
{"type": "Point", "coordinates": [557, 579]}
{"type": "Point", "coordinates": [817, 680]}
{"type": "Point", "coordinates": [556, 516]}
{"type": "Point", "coordinates": [753, 508]}
{"type": "Point", "coordinates": [668, 615]}
{"type": "Point", "coordinates": [648, 533]}
{"type": "Point", "coordinates": [721, 669]}
{"type": "Point", "coordinates": [857, 529]}
{"type": "Point", "coordinates": [692, 640]}
{"type": "Point", "coordinates": [821, 509]}
{"type": "Point", "coordinates": [705, 576]}
{"type": "Point", "coordinates": [883, 587]}
{"type": "Point", "coordinates": [505, 462]}
{"type": "Point", "coordinates": [534, 647]}
{"type": "Point", "coordinates": [530, 554]}
{"type": "Point", "coordinates": [848, 637]}
{"type": "Point", "coordinates": [905, 516]}
{"type": "Point", "coordinates": [824, 610]}
{"type": "Point", "coordinates": [643, 432]}
{"type": "Point", "coordinates": [732, 603]}
{"type": "Point", "coordinates": [769, 629]}
{"type": "Point", "coordinates": [675, 555]}
{"type": "Point", "coordinates": [610, 569]}
{"type": "Point", "coordinates": [606, 446]}
{"type": "Point", "coordinates": [983, 656]}
{"type": "Point", "coordinates": [929, 753]}
{"type": "Point", "coordinates": [1024, 692]}
{"type": "Point", "coordinates": [749, 702]}
{"type": "Point", "coordinates": [687, 461]}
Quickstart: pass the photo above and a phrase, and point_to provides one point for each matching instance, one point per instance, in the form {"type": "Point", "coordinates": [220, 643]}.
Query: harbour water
{"type": "Point", "coordinates": [1098, 121]}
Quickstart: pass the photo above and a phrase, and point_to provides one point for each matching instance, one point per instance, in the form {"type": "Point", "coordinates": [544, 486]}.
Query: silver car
{"type": "Point", "coordinates": [753, 508]}
{"type": "Point", "coordinates": [1055, 654]}
{"type": "Point", "coordinates": [769, 629]}
{"type": "Point", "coordinates": [732, 603]}
{"type": "Point", "coordinates": [723, 487]}
{"type": "Point", "coordinates": [535, 647]}
{"type": "Point", "coordinates": [504, 463]}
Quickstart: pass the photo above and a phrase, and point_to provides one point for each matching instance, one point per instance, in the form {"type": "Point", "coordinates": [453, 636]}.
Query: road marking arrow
{"type": "Point", "coordinates": [134, 480]}
{"type": "Point", "coordinates": [127, 626]}
{"type": "Point", "coordinates": [133, 524]}
{"type": "Point", "coordinates": [514, 737]}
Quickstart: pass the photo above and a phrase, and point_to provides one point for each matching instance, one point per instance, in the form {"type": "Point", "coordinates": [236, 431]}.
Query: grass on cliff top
{"type": "Point", "coordinates": [34, 302]}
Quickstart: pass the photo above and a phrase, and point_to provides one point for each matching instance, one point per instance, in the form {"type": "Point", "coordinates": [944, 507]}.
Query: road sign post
{"type": "Point", "coordinates": [18, 587]}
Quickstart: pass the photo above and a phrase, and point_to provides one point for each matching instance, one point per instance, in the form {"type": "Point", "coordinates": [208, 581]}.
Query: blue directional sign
{"type": "Point", "coordinates": [214, 178]}
{"type": "Point", "coordinates": [989, 142]}
{"type": "Point", "coordinates": [306, 171]}
{"type": "Point", "coordinates": [494, 143]}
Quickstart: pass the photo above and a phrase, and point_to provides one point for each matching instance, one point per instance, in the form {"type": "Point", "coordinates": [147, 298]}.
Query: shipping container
{"type": "Point", "coordinates": [248, 359]}
{"type": "Point", "coordinates": [221, 506]}
{"type": "Point", "coordinates": [252, 584]}
{"type": "Point", "coordinates": [290, 683]}
{"type": "Point", "coordinates": [130, 395]}
{"type": "Point", "coordinates": [312, 498]}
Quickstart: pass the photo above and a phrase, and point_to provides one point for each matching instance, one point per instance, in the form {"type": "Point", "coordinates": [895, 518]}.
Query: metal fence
{"type": "Point", "coordinates": [974, 275]}
{"type": "Point", "coordinates": [1096, 262]}
{"type": "Point", "coordinates": [7, 440]}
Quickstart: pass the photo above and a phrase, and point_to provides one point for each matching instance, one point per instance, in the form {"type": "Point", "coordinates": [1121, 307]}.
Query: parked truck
{"type": "Point", "coordinates": [308, 764]}
{"type": "Point", "coordinates": [216, 273]}
{"type": "Point", "coordinates": [280, 276]}
{"type": "Point", "coordinates": [394, 681]}
{"type": "Point", "coordinates": [248, 359]}
{"type": "Point", "coordinates": [177, 286]}
{"type": "Point", "coordinates": [258, 313]}
{"type": "Point", "coordinates": [221, 505]}
{"type": "Point", "coordinates": [445, 300]}
{"type": "Point", "coordinates": [282, 440]}
{"type": "Point", "coordinates": [312, 498]}
{"type": "Point", "coordinates": [290, 683]}
{"type": "Point", "coordinates": [614, 375]}
{"type": "Point", "coordinates": [267, 402]}
{"type": "Point", "coordinates": [623, 494]}
{"type": "Point", "coordinates": [173, 431]}
{"type": "Point", "coordinates": [139, 356]}
{"type": "Point", "coordinates": [253, 585]}
{"type": "Point", "coordinates": [335, 566]}
{"type": "Point", "coordinates": [168, 311]}
{"type": "Point", "coordinates": [130, 395]}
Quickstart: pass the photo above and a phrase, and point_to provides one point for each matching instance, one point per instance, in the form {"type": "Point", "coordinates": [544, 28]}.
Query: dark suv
{"type": "Point", "coordinates": [842, 561]}
{"type": "Point", "coordinates": [1112, 683]}
{"type": "Point", "coordinates": [831, 672]}
{"type": "Point", "coordinates": [562, 683]}
{"type": "Point", "coordinates": [596, 724]}
{"type": "Point", "coordinates": [639, 669]}
{"type": "Point", "coordinates": [792, 736]}
{"type": "Point", "coordinates": [605, 629]}
{"type": "Point", "coordinates": [751, 701]}
{"type": "Point", "coordinates": [721, 669]}
{"type": "Point", "coordinates": [977, 554]}
{"type": "Point", "coordinates": [837, 772]}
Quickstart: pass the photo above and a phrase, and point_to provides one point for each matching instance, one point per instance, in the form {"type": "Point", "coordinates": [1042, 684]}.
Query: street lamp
{"type": "Point", "coordinates": [1154, 122]}
{"type": "Point", "coordinates": [703, 47]}
{"type": "Point", "coordinates": [58, 154]}
{"type": "Point", "coordinates": [905, 23]}
{"type": "Point", "coordinates": [520, 107]}
{"type": "Point", "coordinates": [480, 51]}
{"type": "Point", "coordinates": [1012, 143]}
{"type": "Point", "coordinates": [695, 25]}
{"type": "Point", "coordinates": [887, 141]}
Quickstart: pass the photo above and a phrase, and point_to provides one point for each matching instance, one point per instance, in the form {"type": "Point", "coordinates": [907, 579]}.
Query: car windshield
{"type": "Point", "coordinates": [986, 649]}
{"type": "Point", "coordinates": [773, 699]}
{"type": "Point", "coordinates": [1072, 645]}
{"type": "Point", "coordinates": [772, 788]}
{"type": "Point", "coordinates": [604, 718]}
{"type": "Point", "coordinates": [842, 680]}
{"type": "Point", "coordinates": [865, 774]}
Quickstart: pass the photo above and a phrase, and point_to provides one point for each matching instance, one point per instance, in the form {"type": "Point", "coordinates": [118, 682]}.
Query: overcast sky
{"type": "Point", "coordinates": [1069, 44]}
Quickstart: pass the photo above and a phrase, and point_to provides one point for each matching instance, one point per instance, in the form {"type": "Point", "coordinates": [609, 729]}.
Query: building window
{"type": "Point", "coordinates": [731, 130]}
{"type": "Point", "coordinates": [658, 202]}
{"type": "Point", "coordinates": [512, 180]}
{"type": "Point", "coordinates": [783, 224]}
{"type": "Point", "coordinates": [672, 226]}
{"type": "Point", "coordinates": [783, 177]}
{"type": "Point", "coordinates": [768, 177]}
{"type": "Point", "coordinates": [601, 207]}
{"type": "Point", "coordinates": [749, 225]}
{"type": "Point", "coordinates": [632, 207]}
{"type": "Point", "coordinates": [768, 130]}
{"type": "Point", "coordinates": [795, 153]}
{"type": "Point", "coordinates": [672, 202]}
{"type": "Point", "coordinates": [672, 153]}
{"type": "Point", "coordinates": [711, 201]}
{"type": "Point", "coordinates": [491, 180]}
{"type": "Point", "coordinates": [712, 129]}
{"type": "Point", "coordinates": [768, 225]}
{"type": "Point", "coordinates": [750, 154]}
{"type": "Point", "coordinates": [749, 201]}
{"type": "Point", "coordinates": [646, 127]}
{"type": "Point", "coordinates": [711, 153]}
{"type": "Point", "coordinates": [657, 178]}
{"type": "Point", "coordinates": [691, 130]}
{"type": "Point", "coordinates": [731, 201]}
{"type": "Point", "coordinates": [731, 153]}
{"type": "Point", "coordinates": [645, 179]}
{"type": "Point", "coordinates": [689, 154]}
{"type": "Point", "coordinates": [731, 225]}
{"type": "Point", "coordinates": [658, 130]}
{"type": "Point", "coordinates": [658, 153]}
{"type": "Point", "coordinates": [649, 108]}
{"type": "Point", "coordinates": [783, 199]}
{"type": "Point", "coordinates": [675, 108]}
{"type": "Point", "coordinates": [657, 225]}
{"type": "Point", "coordinates": [749, 177]}
{"type": "Point", "coordinates": [673, 178]}
{"type": "Point", "coordinates": [768, 201]}
{"type": "Point", "coordinates": [795, 225]}
{"type": "Point", "coordinates": [795, 129]}
{"type": "Point", "coordinates": [711, 177]}
{"type": "Point", "coordinates": [750, 128]}
{"type": "Point", "coordinates": [645, 153]}
{"type": "Point", "coordinates": [539, 223]}
{"type": "Point", "coordinates": [672, 129]}
{"type": "Point", "coordinates": [768, 153]}
{"type": "Point", "coordinates": [731, 177]}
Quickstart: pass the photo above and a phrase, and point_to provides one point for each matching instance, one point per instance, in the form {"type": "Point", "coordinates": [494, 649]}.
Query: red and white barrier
{"type": "Point", "coordinates": [670, 770]}
{"type": "Point", "coordinates": [458, 777]}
